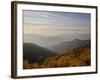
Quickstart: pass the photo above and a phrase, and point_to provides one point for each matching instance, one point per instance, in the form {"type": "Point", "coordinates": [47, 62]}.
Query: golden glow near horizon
{"type": "Point", "coordinates": [51, 31]}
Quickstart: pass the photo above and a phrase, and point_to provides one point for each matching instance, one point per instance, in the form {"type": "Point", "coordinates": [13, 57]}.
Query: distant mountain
{"type": "Point", "coordinates": [34, 53]}
{"type": "Point", "coordinates": [69, 45]}
{"type": "Point", "coordinates": [49, 41]}
{"type": "Point", "coordinates": [43, 41]}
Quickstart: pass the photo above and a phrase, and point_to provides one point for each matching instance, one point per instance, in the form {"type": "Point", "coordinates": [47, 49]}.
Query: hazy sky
{"type": "Point", "coordinates": [61, 24]}
{"type": "Point", "coordinates": [48, 23]}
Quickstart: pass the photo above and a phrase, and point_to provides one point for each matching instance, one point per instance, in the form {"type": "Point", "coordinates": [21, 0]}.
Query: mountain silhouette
{"type": "Point", "coordinates": [34, 53]}
{"type": "Point", "coordinates": [69, 45]}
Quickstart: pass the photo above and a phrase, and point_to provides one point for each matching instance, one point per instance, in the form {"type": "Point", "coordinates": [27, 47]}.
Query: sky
{"type": "Point", "coordinates": [41, 22]}
{"type": "Point", "coordinates": [66, 25]}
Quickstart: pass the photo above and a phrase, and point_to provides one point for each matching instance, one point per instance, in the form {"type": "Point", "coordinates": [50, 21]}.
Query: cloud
{"type": "Point", "coordinates": [51, 18]}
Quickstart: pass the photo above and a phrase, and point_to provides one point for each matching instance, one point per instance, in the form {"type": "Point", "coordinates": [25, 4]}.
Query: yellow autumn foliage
{"type": "Point", "coordinates": [73, 58]}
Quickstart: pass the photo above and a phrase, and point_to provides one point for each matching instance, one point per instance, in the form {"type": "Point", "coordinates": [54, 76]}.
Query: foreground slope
{"type": "Point", "coordinates": [73, 58]}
